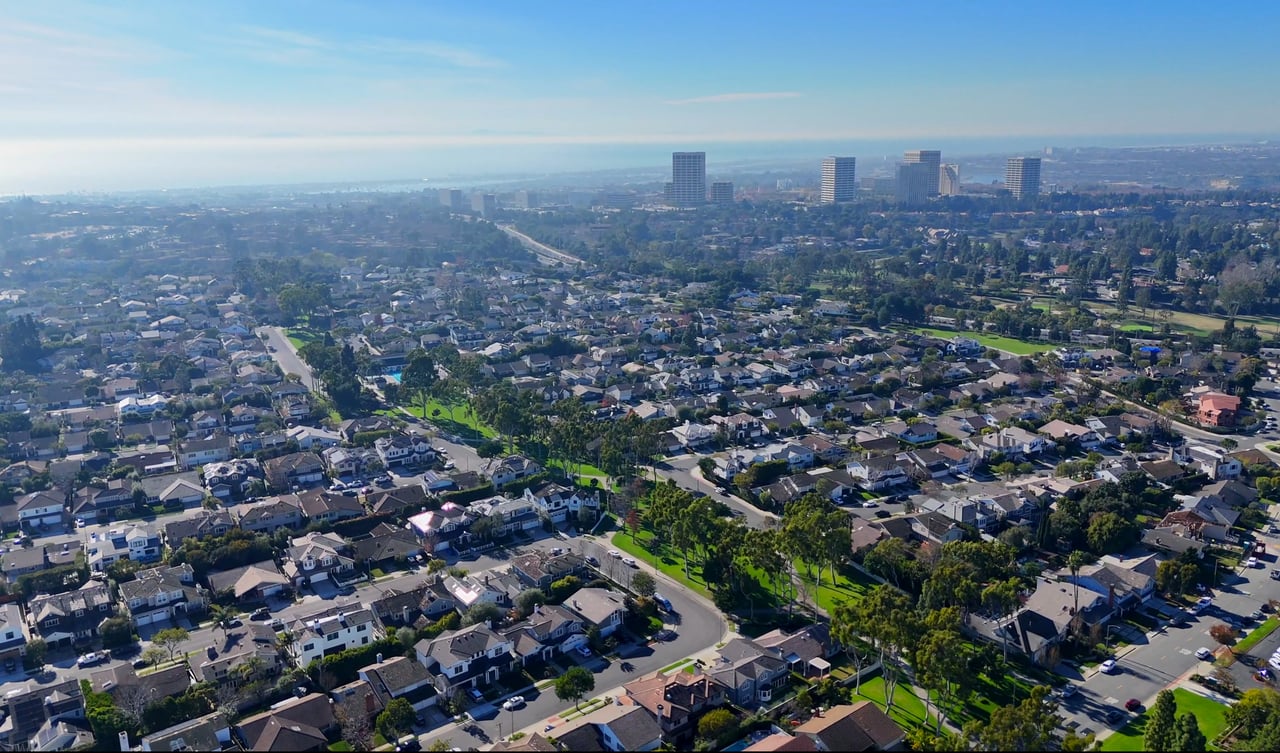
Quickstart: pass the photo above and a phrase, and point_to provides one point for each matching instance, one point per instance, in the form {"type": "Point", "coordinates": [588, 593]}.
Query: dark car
{"type": "Point", "coordinates": [10, 665]}
{"type": "Point", "coordinates": [1133, 704]}
{"type": "Point", "coordinates": [591, 560]}
{"type": "Point", "coordinates": [1114, 715]}
{"type": "Point", "coordinates": [664, 635]}
{"type": "Point", "coordinates": [882, 513]}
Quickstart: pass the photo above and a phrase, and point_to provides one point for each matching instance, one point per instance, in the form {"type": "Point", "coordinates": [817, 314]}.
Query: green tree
{"type": "Point", "coordinates": [1109, 533]}
{"type": "Point", "coordinates": [170, 639]}
{"type": "Point", "coordinates": [37, 650]}
{"type": "Point", "coordinates": [1161, 732]}
{"type": "Point", "coordinates": [419, 378]}
{"type": "Point", "coordinates": [574, 684]}
{"type": "Point", "coordinates": [1025, 725]}
{"type": "Point", "coordinates": [643, 583]}
{"type": "Point", "coordinates": [1076, 560]}
{"type": "Point", "coordinates": [1188, 736]}
{"type": "Point", "coordinates": [529, 598]}
{"type": "Point", "coordinates": [483, 611]}
{"type": "Point", "coordinates": [115, 631]}
{"type": "Point", "coordinates": [717, 725]}
{"type": "Point", "coordinates": [395, 719]}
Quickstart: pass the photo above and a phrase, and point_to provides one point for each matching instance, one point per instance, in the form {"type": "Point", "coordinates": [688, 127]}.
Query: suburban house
{"type": "Point", "coordinates": [540, 570]}
{"type": "Point", "coordinates": [511, 469]}
{"type": "Point", "coordinates": [204, 524]}
{"type": "Point", "coordinates": [66, 618]}
{"type": "Point", "coordinates": [30, 705]}
{"type": "Point", "coordinates": [251, 583]}
{"type": "Point", "coordinates": [676, 701]}
{"type": "Point", "coordinates": [40, 509]}
{"type": "Point", "coordinates": [13, 633]}
{"type": "Point", "coordinates": [1039, 627]}
{"type": "Point", "coordinates": [472, 657]}
{"type": "Point", "coordinates": [293, 471]}
{"type": "Point", "coordinates": [599, 607]}
{"type": "Point", "coordinates": [559, 502]}
{"type": "Point", "coordinates": [400, 677]}
{"type": "Point", "coordinates": [612, 728]}
{"type": "Point", "coordinates": [322, 636]}
{"type": "Point", "coordinates": [316, 557]}
{"type": "Point", "coordinates": [750, 672]}
{"type": "Point", "coordinates": [193, 453]}
{"type": "Point", "coordinates": [162, 593]}
{"type": "Point", "coordinates": [270, 516]}
{"type": "Point", "coordinates": [858, 727]}
{"type": "Point", "coordinates": [878, 473]}
{"type": "Point", "coordinates": [1217, 409]}
{"type": "Point", "coordinates": [208, 732]}
{"type": "Point", "coordinates": [138, 543]}
{"type": "Point", "coordinates": [298, 724]}
{"type": "Point", "coordinates": [403, 449]}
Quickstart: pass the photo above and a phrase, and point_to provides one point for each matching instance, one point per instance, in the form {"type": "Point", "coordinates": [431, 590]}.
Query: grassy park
{"type": "Point", "coordinates": [999, 342]}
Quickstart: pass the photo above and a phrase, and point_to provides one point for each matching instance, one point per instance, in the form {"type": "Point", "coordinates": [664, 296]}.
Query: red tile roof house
{"type": "Point", "coordinates": [1217, 409]}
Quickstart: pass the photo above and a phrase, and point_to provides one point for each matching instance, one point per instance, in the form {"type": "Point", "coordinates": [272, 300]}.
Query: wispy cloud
{"type": "Point", "coordinates": [734, 97]}
{"type": "Point", "coordinates": [292, 48]}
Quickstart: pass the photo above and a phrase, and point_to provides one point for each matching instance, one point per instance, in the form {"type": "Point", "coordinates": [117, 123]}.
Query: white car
{"type": "Point", "coordinates": [1107, 667]}
{"type": "Point", "coordinates": [630, 562]}
{"type": "Point", "coordinates": [1204, 654]}
{"type": "Point", "coordinates": [1201, 604]}
{"type": "Point", "coordinates": [513, 703]}
{"type": "Point", "coordinates": [1251, 562]}
{"type": "Point", "coordinates": [585, 651]}
{"type": "Point", "coordinates": [614, 553]}
{"type": "Point", "coordinates": [89, 659]}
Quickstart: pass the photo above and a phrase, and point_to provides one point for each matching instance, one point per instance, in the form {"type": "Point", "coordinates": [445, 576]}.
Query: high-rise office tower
{"type": "Point", "coordinates": [914, 181]}
{"type": "Point", "coordinates": [688, 179]}
{"type": "Point", "coordinates": [1022, 176]}
{"type": "Point", "coordinates": [949, 180]}
{"type": "Point", "coordinates": [722, 192]}
{"type": "Point", "coordinates": [838, 180]}
{"type": "Point", "coordinates": [930, 157]}
{"type": "Point", "coordinates": [484, 203]}
{"type": "Point", "coordinates": [453, 198]}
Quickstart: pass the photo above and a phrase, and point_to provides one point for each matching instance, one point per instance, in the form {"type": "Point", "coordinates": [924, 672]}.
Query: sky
{"type": "Point", "coordinates": [122, 96]}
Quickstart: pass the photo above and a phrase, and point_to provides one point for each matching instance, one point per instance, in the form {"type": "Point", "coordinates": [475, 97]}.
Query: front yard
{"type": "Point", "coordinates": [1211, 715]}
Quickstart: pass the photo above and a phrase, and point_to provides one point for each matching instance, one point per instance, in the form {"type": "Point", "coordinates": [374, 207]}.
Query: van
{"type": "Point", "coordinates": [662, 601]}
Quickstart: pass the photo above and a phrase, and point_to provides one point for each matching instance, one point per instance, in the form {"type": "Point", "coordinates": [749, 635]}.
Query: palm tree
{"type": "Point", "coordinates": [1076, 560]}
{"type": "Point", "coordinates": [220, 614]}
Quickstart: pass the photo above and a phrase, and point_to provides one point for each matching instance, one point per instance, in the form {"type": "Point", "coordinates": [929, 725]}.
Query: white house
{"type": "Point", "coordinates": [402, 449]}
{"type": "Point", "coordinates": [558, 502]}
{"type": "Point", "coordinates": [40, 508]}
{"type": "Point", "coordinates": [315, 638]}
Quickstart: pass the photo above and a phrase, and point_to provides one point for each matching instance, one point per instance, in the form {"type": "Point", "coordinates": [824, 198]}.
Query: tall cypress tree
{"type": "Point", "coordinates": [1161, 726]}
{"type": "Point", "coordinates": [1188, 737]}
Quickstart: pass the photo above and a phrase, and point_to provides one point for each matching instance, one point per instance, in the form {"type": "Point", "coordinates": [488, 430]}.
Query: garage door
{"type": "Point", "coordinates": [151, 617]}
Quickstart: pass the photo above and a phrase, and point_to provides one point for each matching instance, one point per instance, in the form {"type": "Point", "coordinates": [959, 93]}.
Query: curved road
{"type": "Point", "coordinates": [541, 249]}
{"type": "Point", "coordinates": [698, 625]}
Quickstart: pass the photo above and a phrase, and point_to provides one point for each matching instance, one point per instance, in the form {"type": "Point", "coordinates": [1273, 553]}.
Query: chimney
{"type": "Point", "coordinates": [124, 740]}
{"type": "Point", "coordinates": [368, 705]}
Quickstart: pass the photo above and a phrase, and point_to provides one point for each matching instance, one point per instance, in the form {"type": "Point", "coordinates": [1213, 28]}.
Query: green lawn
{"type": "Point", "coordinates": [462, 421]}
{"type": "Point", "coordinates": [988, 695]}
{"type": "Point", "coordinates": [850, 584]}
{"type": "Point", "coordinates": [669, 562]}
{"type": "Point", "coordinates": [1008, 344]}
{"type": "Point", "coordinates": [908, 710]}
{"type": "Point", "coordinates": [1256, 635]}
{"type": "Point", "coordinates": [1211, 715]}
{"type": "Point", "coordinates": [341, 745]}
{"type": "Point", "coordinates": [300, 337]}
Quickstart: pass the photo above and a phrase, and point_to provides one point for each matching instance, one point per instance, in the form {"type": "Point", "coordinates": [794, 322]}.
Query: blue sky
{"type": "Point", "coordinates": [149, 94]}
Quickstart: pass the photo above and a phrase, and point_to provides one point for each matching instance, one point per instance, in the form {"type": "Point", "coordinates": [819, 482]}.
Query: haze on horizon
{"type": "Point", "coordinates": [101, 97]}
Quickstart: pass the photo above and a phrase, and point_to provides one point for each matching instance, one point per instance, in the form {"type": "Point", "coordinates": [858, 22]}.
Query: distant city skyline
{"type": "Point", "coordinates": [147, 94]}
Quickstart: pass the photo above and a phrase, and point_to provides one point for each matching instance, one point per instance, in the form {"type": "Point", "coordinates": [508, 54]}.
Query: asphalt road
{"type": "Point", "coordinates": [1158, 660]}
{"type": "Point", "coordinates": [698, 627]}
{"type": "Point", "coordinates": [287, 356]}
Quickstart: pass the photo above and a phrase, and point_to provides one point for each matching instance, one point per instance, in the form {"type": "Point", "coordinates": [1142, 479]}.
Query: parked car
{"type": "Point", "coordinates": [664, 635]}
{"type": "Point", "coordinates": [614, 553]}
{"type": "Point", "coordinates": [1114, 715]}
{"type": "Point", "coordinates": [556, 551]}
{"type": "Point", "coordinates": [1204, 654]}
{"type": "Point", "coordinates": [139, 663]}
{"type": "Point", "coordinates": [1133, 704]}
{"type": "Point", "coordinates": [1108, 666]}
{"type": "Point", "coordinates": [591, 560]}
{"type": "Point", "coordinates": [90, 659]}
{"type": "Point", "coordinates": [1252, 562]}
{"type": "Point", "coordinates": [261, 613]}
{"type": "Point", "coordinates": [475, 695]}
{"type": "Point", "coordinates": [513, 703]}
{"type": "Point", "coordinates": [1201, 604]}
{"type": "Point", "coordinates": [630, 562]}
{"type": "Point", "coordinates": [10, 665]}
{"type": "Point", "coordinates": [1068, 690]}
{"type": "Point", "coordinates": [584, 651]}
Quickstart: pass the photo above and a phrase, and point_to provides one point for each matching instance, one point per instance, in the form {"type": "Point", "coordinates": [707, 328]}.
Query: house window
{"type": "Point", "coordinates": [361, 628]}
{"type": "Point", "coordinates": [79, 613]}
{"type": "Point", "coordinates": [51, 622]}
{"type": "Point", "coordinates": [103, 607]}
{"type": "Point", "coordinates": [308, 646]}
{"type": "Point", "coordinates": [364, 641]}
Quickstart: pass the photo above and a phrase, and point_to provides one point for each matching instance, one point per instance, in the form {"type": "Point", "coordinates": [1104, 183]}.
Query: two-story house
{"type": "Point", "coordinates": [750, 672]}
{"type": "Point", "coordinates": [472, 657]}
{"type": "Point", "coordinates": [270, 515]}
{"type": "Point", "coordinates": [402, 449]}
{"type": "Point", "coordinates": [512, 469]}
{"type": "Point", "coordinates": [599, 607]}
{"type": "Point", "coordinates": [878, 473]}
{"type": "Point", "coordinates": [550, 628]}
{"type": "Point", "coordinates": [676, 701]}
{"type": "Point", "coordinates": [204, 524]}
{"type": "Point", "coordinates": [66, 618]}
{"type": "Point", "coordinates": [39, 509]}
{"type": "Point", "coordinates": [139, 543]}
{"type": "Point", "coordinates": [317, 557]}
{"type": "Point", "coordinates": [162, 593]}
{"type": "Point", "coordinates": [295, 470]}
{"type": "Point", "coordinates": [400, 677]}
{"type": "Point", "coordinates": [561, 503]}
{"type": "Point", "coordinates": [333, 633]}
{"type": "Point", "coordinates": [13, 633]}
{"type": "Point", "coordinates": [200, 451]}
